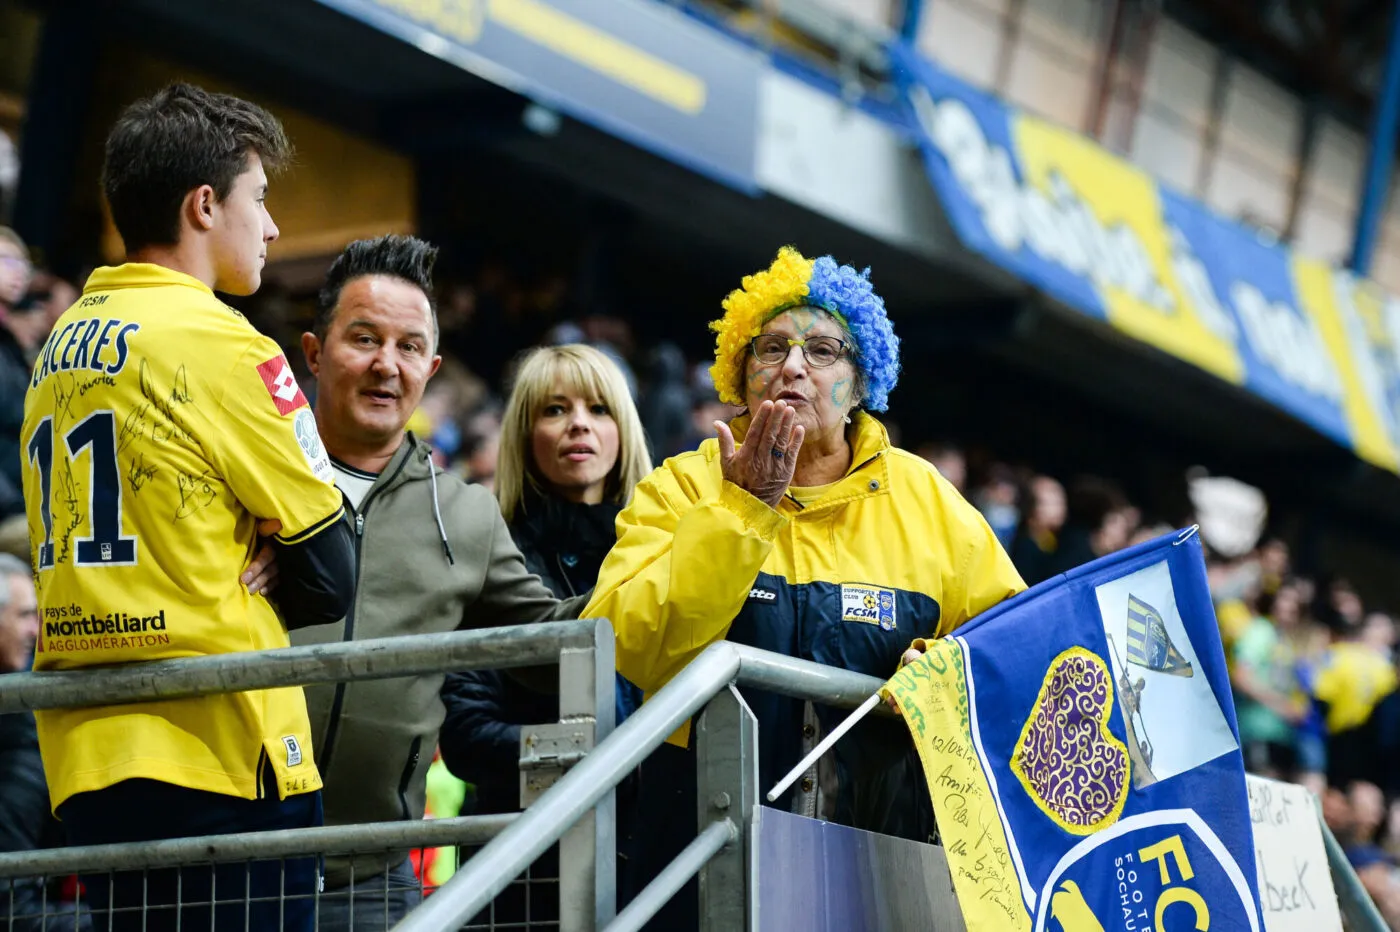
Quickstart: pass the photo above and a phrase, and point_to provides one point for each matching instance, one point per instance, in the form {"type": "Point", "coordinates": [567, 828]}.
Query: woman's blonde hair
{"type": "Point", "coordinates": [580, 370]}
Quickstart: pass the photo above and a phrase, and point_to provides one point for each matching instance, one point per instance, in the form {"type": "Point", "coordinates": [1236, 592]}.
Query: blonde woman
{"type": "Point", "coordinates": [572, 449]}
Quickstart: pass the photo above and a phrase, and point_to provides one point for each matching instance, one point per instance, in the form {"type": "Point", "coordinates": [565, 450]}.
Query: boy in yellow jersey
{"type": "Point", "coordinates": [162, 432]}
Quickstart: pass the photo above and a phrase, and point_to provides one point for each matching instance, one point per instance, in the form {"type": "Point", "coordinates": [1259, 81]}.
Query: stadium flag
{"type": "Point", "coordinates": [1149, 645]}
{"type": "Point", "coordinates": [1078, 790]}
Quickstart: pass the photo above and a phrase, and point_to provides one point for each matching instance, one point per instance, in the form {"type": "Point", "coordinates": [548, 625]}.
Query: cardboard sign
{"type": "Point", "coordinates": [1295, 886]}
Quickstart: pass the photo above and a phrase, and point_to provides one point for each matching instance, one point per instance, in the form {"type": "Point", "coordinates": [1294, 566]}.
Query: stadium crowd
{"type": "Point", "coordinates": [560, 421]}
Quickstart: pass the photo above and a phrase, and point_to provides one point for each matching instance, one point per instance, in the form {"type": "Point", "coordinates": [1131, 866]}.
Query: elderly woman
{"type": "Point", "coordinates": [801, 530]}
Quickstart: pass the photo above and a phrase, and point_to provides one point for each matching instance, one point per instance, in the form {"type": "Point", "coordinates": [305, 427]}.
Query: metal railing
{"type": "Point", "coordinates": [728, 789]}
{"type": "Point", "coordinates": [575, 809]}
{"type": "Point", "coordinates": [577, 812]}
{"type": "Point", "coordinates": [583, 651]}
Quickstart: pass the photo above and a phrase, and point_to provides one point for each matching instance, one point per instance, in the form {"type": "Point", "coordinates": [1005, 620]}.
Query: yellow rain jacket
{"type": "Point", "coordinates": [848, 575]}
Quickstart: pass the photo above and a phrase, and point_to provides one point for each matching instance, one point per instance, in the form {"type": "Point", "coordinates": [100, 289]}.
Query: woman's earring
{"type": "Point", "coordinates": [848, 419]}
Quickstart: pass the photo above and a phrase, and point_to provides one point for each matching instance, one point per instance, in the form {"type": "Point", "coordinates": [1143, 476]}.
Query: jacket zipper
{"type": "Point", "coordinates": [564, 574]}
{"type": "Point", "coordinates": [333, 720]}
{"type": "Point", "coordinates": [408, 770]}
{"type": "Point", "coordinates": [854, 470]}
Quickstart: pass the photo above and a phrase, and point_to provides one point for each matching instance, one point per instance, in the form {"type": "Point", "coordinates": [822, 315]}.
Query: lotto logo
{"type": "Point", "coordinates": [763, 595]}
{"type": "Point", "coordinates": [277, 375]}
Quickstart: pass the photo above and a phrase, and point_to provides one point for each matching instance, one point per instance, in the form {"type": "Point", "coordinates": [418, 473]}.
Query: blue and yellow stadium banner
{"type": "Point", "coordinates": [1082, 754]}
{"type": "Point", "coordinates": [640, 70]}
{"type": "Point", "coordinates": [1102, 237]}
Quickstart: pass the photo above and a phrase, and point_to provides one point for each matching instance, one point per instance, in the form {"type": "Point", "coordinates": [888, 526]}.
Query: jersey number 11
{"type": "Point", "coordinates": [106, 546]}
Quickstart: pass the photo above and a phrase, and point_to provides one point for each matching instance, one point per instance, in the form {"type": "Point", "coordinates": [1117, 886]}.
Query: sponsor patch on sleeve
{"type": "Point", "coordinates": [277, 375]}
{"type": "Point", "coordinates": [293, 750]}
{"type": "Point", "coordinates": [309, 439]}
{"type": "Point", "coordinates": [871, 605]}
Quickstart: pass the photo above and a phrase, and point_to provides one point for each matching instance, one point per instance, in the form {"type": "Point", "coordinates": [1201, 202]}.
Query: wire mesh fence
{"type": "Point", "coordinates": [225, 896]}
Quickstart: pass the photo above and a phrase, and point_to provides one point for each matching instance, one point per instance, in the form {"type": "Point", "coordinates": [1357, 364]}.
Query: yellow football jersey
{"type": "Point", "coordinates": [159, 427]}
{"type": "Point", "coordinates": [1352, 680]}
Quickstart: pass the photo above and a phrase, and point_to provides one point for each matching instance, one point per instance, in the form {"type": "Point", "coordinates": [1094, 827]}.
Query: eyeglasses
{"type": "Point", "coordinates": [770, 349]}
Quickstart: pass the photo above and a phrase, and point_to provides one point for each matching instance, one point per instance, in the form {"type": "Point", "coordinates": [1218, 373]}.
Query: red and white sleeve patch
{"type": "Point", "coordinates": [282, 385]}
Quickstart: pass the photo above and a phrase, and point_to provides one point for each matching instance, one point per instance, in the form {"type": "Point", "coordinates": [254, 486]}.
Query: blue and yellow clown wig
{"type": "Point", "coordinates": [791, 281]}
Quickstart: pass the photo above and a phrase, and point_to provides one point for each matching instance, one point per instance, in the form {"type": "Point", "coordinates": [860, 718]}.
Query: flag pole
{"type": "Point", "coordinates": [1128, 677]}
{"type": "Point", "coordinates": [823, 746]}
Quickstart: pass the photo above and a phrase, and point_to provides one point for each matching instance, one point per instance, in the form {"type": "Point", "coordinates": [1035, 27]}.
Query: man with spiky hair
{"type": "Point", "coordinates": [163, 438]}
{"type": "Point", "coordinates": [435, 555]}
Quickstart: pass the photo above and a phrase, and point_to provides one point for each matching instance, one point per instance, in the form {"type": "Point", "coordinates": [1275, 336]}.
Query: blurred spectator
{"type": "Point", "coordinates": [33, 316]}
{"type": "Point", "coordinates": [996, 499]}
{"type": "Point", "coordinates": [572, 450]}
{"type": "Point", "coordinates": [1146, 532]}
{"type": "Point", "coordinates": [14, 368]}
{"type": "Point", "coordinates": [1270, 701]}
{"type": "Point", "coordinates": [1352, 680]}
{"type": "Point", "coordinates": [1098, 523]}
{"type": "Point", "coordinates": [1378, 633]}
{"type": "Point", "coordinates": [449, 396]}
{"type": "Point", "coordinates": [1037, 538]}
{"type": "Point", "coordinates": [608, 335]}
{"type": "Point", "coordinates": [1274, 566]}
{"type": "Point", "coordinates": [481, 442]}
{"type": "Point", "coordinates": [25, 821]}
{"type": "Point", "coordinates": [15, 269]}
{"type": "Point", "coordinates": [1355, 832]}
{"type": "Point", "coordinates": [24, 326]}
{"type": "Point", "coordinates": [705, 408]}
{"type": "Point", "coordinates": [666, 404]}
{"type": "Point", "coordinates": [19, 616]}
{"type": "Point", "coordinates": [949, 460]}
{"type": "Point", "coordinates": [1338, 606]}
{"type": "Point", "coordinates": [434, 556]}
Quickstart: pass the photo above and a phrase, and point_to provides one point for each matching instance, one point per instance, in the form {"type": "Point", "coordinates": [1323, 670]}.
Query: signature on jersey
{"type": "Point", "coordinates": [133, 425]}
{"type": "Point", "coordinates": [196, 492]}
{"type": "Point", "coordinates": [64, 391]}
{"type": "Point", "coordinates": [139, 475]}
{"type": "Point", "coordinates": [166, 404]}
{"type": "Point", "coordinates": [68, 495]}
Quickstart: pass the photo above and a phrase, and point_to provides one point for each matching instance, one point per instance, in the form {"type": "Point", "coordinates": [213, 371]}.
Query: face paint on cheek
{"type": "Point", "coordinates": [841, 393]}
{"type": "Point", "coordinates": [759, 380]}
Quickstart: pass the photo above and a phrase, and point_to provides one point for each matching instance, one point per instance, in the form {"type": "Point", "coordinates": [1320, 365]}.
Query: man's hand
{"type": "Point", "coordinates": [261, 574]}
{"type": "Point", "coordinates": [764, 463]}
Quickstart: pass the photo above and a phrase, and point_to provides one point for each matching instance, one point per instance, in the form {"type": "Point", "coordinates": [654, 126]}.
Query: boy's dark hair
{"type": "Point", "coordinates": [166, 145]}
{"type": "Point", "coordinates": [405, 257]}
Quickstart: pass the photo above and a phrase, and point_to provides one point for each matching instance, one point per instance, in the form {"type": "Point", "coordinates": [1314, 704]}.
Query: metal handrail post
{"type": "Point", "coordinates": [478, 881]}
{"type": "Point", "coordinates": [727, 788]}
{"type": "Point", "coordinates": [588, 850]}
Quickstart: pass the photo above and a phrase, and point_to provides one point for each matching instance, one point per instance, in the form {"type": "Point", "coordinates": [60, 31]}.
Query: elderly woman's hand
{"type": "Point", "coordinates": [911, 655]}
{"type": "Point", "coordinates": [764, 464]}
